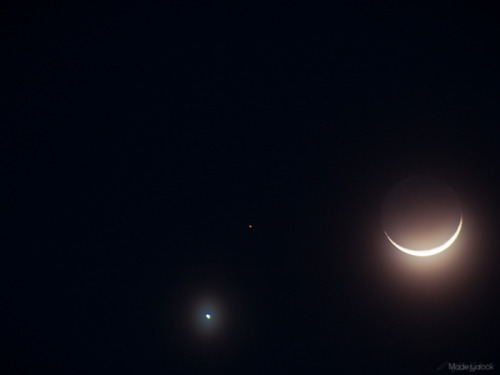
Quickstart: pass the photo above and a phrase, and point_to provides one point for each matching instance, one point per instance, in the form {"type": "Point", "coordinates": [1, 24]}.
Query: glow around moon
{"type": "Point", "coordinates": [429, 252]}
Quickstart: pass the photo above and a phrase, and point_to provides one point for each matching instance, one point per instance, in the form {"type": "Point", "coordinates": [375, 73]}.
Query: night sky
{"type": "Point", "coordinates": [140, 140]}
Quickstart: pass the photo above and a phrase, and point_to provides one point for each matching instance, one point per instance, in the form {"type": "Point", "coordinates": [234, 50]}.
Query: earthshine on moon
{"type": "Point", "coordinates": [422, 216]}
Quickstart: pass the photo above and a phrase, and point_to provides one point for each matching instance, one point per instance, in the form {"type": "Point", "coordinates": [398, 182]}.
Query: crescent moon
{"type": "Point", "coordinates": [434, 251]}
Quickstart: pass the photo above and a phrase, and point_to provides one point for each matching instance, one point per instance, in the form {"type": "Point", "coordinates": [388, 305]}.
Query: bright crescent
{"type": "Point", "coordinates": [436, 250]}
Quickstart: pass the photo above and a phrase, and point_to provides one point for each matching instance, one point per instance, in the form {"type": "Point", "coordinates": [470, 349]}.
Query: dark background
{"type": "Point", "coordinates": [140, 139]}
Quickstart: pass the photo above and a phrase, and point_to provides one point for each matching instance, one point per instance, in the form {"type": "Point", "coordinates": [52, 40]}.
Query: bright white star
{"type": "Point", "coordinates": [207, 316]}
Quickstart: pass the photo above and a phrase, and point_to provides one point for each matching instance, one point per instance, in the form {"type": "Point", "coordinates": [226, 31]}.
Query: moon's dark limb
{"type": "Point", "coordinates": [421, 212]}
